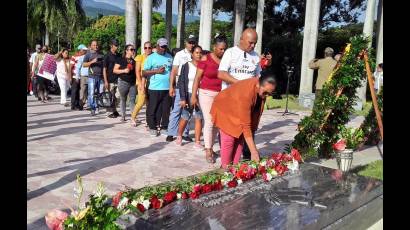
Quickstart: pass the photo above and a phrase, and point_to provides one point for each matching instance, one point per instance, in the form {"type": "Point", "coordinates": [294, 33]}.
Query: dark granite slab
{"type": "Point", "coordinates": [308, 199]}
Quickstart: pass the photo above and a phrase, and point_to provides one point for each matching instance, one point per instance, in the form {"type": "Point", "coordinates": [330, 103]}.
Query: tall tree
{"type": "Point", "coordinates": [131, 16]}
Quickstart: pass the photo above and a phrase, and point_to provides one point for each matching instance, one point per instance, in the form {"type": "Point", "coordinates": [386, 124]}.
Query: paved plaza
{"type": "Point", "coordinates": [62, 143]}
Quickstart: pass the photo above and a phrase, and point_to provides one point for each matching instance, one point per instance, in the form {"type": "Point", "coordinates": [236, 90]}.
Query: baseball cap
{"type": "Point", "coordinates": [38, 47]}
{"type": "Point", "coordinates": [162, 42]}
{"type": "Point", "coordinates": [82, 47]}
{"type": "Point", "coordinates": [114, 42]}
{"type": "Point", "coordinates": [192, 38]}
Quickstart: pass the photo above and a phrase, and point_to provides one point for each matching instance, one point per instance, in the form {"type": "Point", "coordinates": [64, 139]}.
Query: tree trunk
{"type": "Point", "coordinates": [259, 25]}
{"type": "Point", "coordinates": [205, 26]}
{"type": "Point", "coordinates": [239, 15]}
{"type": "Point", "coordinates": [379, 42]}
{"type": "Point", "coordinates": [130, 22]}
{"type": "Point", "coordinates": [181, 24]}
{"type": "Point", "coordinates": [168, 22]}
{"type": "Point", "coordinates": [146, 14]}
{"type": "Point", "coordinates": [47, 38]}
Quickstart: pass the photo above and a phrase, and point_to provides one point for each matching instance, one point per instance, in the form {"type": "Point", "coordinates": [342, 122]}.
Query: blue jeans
{"type": "Point", "coordinates": [94, 84]}
{"type": "Point", "coordinates": [175, 116]}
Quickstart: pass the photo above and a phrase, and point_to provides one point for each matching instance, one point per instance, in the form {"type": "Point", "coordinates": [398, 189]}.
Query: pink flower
{"type": "Point", "coordinates": [55, 219]}
{"type": "Point", "coordinates": [116, 199]}
{"type": "Point", "coordinates": [340, 145]}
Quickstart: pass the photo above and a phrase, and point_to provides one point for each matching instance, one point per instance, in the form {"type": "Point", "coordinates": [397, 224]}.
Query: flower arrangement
{"type": "Point", "coordinates": [101, 212]}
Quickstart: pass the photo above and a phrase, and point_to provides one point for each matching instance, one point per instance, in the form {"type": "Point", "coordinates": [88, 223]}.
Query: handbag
{"type": "Point", "coordinates": [105, 99]}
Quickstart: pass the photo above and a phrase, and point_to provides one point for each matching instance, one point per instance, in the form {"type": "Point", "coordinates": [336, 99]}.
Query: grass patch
{"type": "Point", "coordinates": [374, 170]}
{"type": "Point", "coordinates": [365, 110]}
{"type": "Point", "coordinates": [281, 103]}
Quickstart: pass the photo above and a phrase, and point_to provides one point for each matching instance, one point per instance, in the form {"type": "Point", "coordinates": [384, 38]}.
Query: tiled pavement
{"type": "Point", "coordinates": [62, 143]}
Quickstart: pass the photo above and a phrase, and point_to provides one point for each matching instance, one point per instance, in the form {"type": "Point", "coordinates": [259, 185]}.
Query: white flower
{"type": "Point", "coordinates": [123, 203]}
{"type": "Point", "coordinates": [179, 195]}
{"type": "Point", "coordinates": [263, 163]}
{"type": "Point", "coordinates": [268, 176]}
{"type": "Point", "coordinates": [140, 199]}
{"type": "Point", "coordinates": [239, 181]}
{"type": "Point", "coordinates": [134, 203]}
{"type": "Point", "coordinates": [294, 166]}
{"type": "Point", "coordinates": [146, 204]}
{"type": "Point", "coordinates": [273, 173]}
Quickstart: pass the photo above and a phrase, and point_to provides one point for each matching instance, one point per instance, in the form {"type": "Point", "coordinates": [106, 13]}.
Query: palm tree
{"type": "Point", "coordinates": [183, 5]}
{"type": "Point", "coordinates": [168, 21]}
{"type": "Point", "coordinates": [131, 18]}
{"type": "Point", "coordinates": [43, 16]}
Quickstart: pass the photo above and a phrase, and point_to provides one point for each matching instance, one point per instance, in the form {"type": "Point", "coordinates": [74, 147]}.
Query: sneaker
{"type": "Point", "coordinates": [170, 139]}
{"type": "Point", "coordinates": [153, 133]}
{"type": "Point", "coordinates": [198, 146]}
{"type": "Point", "coordinates": [97, 111]}
{"type": "Point", "coordinates": [178, 141]}
{"type": "Point", "coordinates": [187, 139]}
{"type": "Point", "coordinates": [31, 93]}
{"type": "Point", "coordinates": [112, 115]}
{"type": "Point", "coordinates": [92, 112]}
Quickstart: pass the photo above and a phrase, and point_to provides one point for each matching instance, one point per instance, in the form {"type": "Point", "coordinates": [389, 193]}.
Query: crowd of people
{"type": "Point", "coordinates": [222, 89]}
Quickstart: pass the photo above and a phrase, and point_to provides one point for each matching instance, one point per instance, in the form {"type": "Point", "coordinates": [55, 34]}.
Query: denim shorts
{"type": "Point", "coordinates": [186, 115]}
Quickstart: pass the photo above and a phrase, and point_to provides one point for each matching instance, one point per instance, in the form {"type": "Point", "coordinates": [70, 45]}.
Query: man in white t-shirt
{"type": "Point", "coordinates": [180, 59]}
{"type": "Point", "coordinates": [240, 63]}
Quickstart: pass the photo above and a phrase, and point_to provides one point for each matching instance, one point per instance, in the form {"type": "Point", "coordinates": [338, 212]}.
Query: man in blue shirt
{"type": "Point", "coordinates": [157, 67]}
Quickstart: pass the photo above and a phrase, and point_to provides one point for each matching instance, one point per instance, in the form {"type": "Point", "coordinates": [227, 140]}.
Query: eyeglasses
{"type": "Point", "coordinates": [146, 48]}
{"type": "Point", "coordinates": [163, 47]}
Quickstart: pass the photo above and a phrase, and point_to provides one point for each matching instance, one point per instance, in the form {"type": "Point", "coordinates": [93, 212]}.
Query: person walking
{"type": "Point", "coordinates": [33, 70]}
{"type": "Point", "coordinates": [158, 67]}
{"type": "Point", "coordinates": [83, 72]}
{"type": "Point", "coordinates": [94, 61]}
{"type": "Point", "coordinates": [75, 83]}
{"type": "Point", "coordinates": [110, 78]}
{"type": "Point", "coordinates": [63, 73]}
{"type": "Point", "coordinates": [180, 58]}
{"type": "Point", "coordinates": [125, 68]}
{"type": "Point", "coordinates": [141, 81]}
{"type": "Point", "coordinates": [205, 88]}
{"type": "Point", "coordinates": [185, 81]}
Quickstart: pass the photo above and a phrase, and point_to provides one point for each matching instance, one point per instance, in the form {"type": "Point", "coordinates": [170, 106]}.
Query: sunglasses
{"type": "Point", "coordinates": [131, 49]}
{"type": "Point", "coordinates": [192, 43]}
{"type": "Point", "coordinates": [146, 48]}
{"type": "Point", "coordinates": [163, 47]}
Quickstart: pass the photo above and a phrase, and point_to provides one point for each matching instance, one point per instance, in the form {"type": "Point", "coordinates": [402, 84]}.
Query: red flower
{"type": "Point", "coordinates": [218, 186]}
{"type": "Point", "coordinates": [129, 66]}
{"type": "Point", "coordinates": [280, 168]}
{"type": "Point", "coordinates": [153, 197]}
{"type": "Point", "coordinates": [232, 183]}
{"type": "Point", "coordinates": [287, 157]}
{"type": "Point", "coordinates": [232, 170]}
{"type": "Point", "coordinates": [277, 157]}
{"type": "Point", "coordinates": [197, 188]}
{"type": "Point", "coordinates": [340, 145]}
{"type": "Point", "coordinates": [184, 195]}
{"type": "Point", "coordinates": [116, 199]}
{"type": "Point", "coordinates": [207, 188]}
{"type": "Point", "coordinates": [156, 203]}
{"type": "Point", "coordinates": [250, 173]}
{"type": "Point", "coordinates": [262, 169]}
{"type": "Point", "coordinates": [296, 155]}
{"type": "Point", "coordinates": [194, 195]}
{"type": "Point", "coordinates": [141, 207]}
{"type": "Point", "coordinates": [170, 196]}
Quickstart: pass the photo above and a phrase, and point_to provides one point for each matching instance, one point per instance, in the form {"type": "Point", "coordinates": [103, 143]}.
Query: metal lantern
{"type": "Point", "coordinates": [344, 159]}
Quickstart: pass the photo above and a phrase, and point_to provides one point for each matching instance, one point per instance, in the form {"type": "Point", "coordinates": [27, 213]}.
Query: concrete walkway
{"type": "Point", "coordinates": [62, 143]}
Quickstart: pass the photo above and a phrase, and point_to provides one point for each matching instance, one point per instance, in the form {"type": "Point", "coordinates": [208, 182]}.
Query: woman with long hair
{"type": "Point", "coordinates": [207, 86]}
{"type": "Point", "coordinates": [185, 82]}
{"type": "Point", "coordinates": [63, 73]}
{"type": "Point", "coordinates": [125, 68]}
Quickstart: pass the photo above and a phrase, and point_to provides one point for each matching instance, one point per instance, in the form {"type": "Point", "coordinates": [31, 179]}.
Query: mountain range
{"type": "Point", "coordinates": [92, 8]}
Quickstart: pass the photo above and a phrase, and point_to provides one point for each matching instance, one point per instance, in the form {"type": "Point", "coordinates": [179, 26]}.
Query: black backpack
{"type": "Point", "coordinates": [105, 99]}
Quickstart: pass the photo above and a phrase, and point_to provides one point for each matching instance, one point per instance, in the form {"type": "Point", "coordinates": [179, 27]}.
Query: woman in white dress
{"type": "Point", "coordinates": [63, 73]}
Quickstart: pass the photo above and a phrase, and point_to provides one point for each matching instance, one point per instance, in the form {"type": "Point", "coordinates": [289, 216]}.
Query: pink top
{"type": "Point", "coordinates": [210, 79]}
